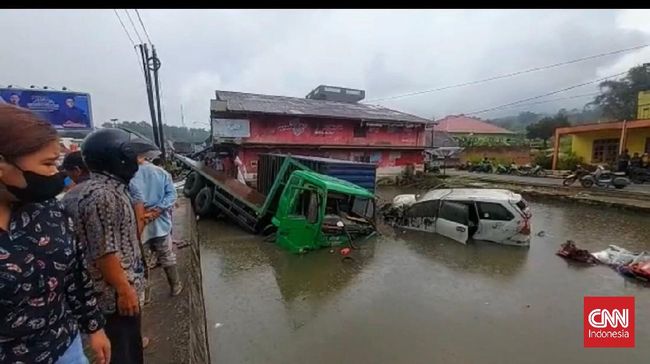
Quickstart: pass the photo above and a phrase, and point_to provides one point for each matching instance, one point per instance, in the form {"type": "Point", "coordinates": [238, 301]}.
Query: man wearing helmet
{"type": "Point", "coordinates": [105, 222]}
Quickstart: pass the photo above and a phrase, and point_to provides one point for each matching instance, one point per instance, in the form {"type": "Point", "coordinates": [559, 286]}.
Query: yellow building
{"type": "Point", "coordinates": [643, 105]}
{"type": "Point", "coordinates": [603, 142]}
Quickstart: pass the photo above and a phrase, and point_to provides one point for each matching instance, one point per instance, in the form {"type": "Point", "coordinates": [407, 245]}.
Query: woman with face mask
{"type": "Point", "coordinates": [46, 293]}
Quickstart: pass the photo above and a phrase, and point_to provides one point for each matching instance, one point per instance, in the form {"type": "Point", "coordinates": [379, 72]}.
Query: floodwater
{"type": "Point", "coordinates": [419, 298]}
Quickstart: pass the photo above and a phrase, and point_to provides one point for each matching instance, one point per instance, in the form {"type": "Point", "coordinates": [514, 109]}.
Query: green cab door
{"type": "Point", "coordinates": [299, 225]}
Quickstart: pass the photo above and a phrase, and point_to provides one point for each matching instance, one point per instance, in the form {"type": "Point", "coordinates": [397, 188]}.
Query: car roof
{"type": "Point", "coordinates": [471, 194]}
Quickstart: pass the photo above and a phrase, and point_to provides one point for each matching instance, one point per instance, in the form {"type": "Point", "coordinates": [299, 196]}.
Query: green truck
{"type": "Point", "coordinates": [306, 209]}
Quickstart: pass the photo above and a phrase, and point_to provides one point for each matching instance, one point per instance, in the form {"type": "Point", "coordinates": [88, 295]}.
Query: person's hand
{"type": "Point", "coordinates": [127, 301]}
{"type": "Point", "coordinates": [100, 346]}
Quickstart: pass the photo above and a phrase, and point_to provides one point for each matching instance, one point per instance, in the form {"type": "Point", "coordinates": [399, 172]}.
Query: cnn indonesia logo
{"type": "Point", "coordinates": [609, 322]}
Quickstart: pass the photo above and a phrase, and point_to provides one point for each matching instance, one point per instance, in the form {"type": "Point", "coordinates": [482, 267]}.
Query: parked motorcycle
{"type": "Point", "coordinates": [536, 171]}
{"type": "Point", "coordinates": [482, 167]}
{"type": "Point", "coordinates": [575, 176]}
{"type": "Point", "coordinates": [639, 175]}
{"type": "Point", "coordinates": [604, 178]}
{"type": "Point", "coordinates": [501, 169]}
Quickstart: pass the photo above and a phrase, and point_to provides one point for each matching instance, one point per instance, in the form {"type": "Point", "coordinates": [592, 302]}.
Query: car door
{"type": "Point", "coordinates": [496, 223]}
{"type": "Point", "coordinates": [453, 221]}
{"type": "Point", "coordinates": [422, 216]}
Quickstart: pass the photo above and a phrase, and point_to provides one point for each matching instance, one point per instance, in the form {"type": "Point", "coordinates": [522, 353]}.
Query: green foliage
{"type": "Point", "coordinates": [543, 159]}
{"type": "Point", "coordinates": [618, 98]}
{"type": "Point", "coordinates": [545, 128]}
{"type": "Point", "coordinates": [569, 161]}
{"type": "Point", "coordinates": [174, 133]}
{"type": "Point", "coordinates": [485, 141]}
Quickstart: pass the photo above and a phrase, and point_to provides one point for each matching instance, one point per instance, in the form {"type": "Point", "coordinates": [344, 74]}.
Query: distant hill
{"type": "Point", "coordinates": [518, 123]}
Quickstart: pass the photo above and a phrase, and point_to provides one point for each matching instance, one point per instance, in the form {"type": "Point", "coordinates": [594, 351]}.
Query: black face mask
{"type": "Point", "coordinates": [39, 188]}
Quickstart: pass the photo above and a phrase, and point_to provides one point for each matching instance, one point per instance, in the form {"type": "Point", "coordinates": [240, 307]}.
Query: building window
{"type": "Point", "coordinates": [360, 131]}
{"type": "Point", "coordinates": [604, 150]}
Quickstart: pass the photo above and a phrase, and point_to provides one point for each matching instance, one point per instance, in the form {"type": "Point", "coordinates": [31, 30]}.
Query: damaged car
{"type": "Point", "coordinates": [464, 215]}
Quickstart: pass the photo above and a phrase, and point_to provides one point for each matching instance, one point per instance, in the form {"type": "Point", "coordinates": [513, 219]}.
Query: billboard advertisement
{"type": "Point", "coordinates": [64, 109]}
{"type": "Point", "coordinates": [230, 128]}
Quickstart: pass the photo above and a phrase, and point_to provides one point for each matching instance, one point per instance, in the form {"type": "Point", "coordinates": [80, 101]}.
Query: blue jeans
{"type": "Point", "coordinates": [74, 354]}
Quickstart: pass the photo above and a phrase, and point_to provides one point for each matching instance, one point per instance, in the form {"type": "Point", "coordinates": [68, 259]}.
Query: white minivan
{"type": "Point", "coordinates": [465, 214]}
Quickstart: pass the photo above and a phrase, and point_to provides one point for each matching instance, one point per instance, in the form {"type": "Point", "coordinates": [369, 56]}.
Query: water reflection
{"type": "Point", "coordinates": [320, 273]}
{"type": "Point", "coordinates": [488, 259]}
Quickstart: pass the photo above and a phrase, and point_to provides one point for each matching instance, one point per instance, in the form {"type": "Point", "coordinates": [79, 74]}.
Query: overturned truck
{"type": "Point", "coordinates": [309, 202]}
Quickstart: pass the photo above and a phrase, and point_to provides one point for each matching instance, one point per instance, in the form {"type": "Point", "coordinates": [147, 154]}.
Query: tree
{"type": "Point", "coordinates": [173, 133]}
{"type": "Point", "coordinates": [545, 128]}
{"type": "Point", "coordinates": [618, 98]}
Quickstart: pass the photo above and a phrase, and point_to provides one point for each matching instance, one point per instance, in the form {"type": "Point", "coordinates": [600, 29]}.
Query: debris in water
{"type": "Point", "coordinates": [541, 233]}
{"type": "Point", "coordinates": [331, 250]}
{"type": "Point", "coordinates": [218, 325]}
{"type": "Point", "coordinates": [345, 251]}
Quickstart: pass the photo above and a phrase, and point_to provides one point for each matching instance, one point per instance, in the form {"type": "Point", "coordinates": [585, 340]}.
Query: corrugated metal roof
{"type": "Point", "coordinates": [466, 124]}
{"type": "Point", "coordinates": [282, 105]}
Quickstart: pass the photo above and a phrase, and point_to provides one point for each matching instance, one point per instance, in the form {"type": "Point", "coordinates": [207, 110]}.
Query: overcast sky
{"type": "Point", "coordinates": [289, 52]}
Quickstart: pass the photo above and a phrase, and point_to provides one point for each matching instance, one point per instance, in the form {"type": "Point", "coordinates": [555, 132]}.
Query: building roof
{"type": "Point", "coordinates": [465, 124]}
{"type": "Point", "coordinates": [295, 106]}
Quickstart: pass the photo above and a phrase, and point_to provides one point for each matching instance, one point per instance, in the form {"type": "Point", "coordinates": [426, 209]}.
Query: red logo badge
{"type": "Point", "coordinates": [609, 322]}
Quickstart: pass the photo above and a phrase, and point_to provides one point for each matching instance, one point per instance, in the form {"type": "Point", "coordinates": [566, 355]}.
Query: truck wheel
{"type": "Point", "coordinates": [203, 202]}
{"type": "Point", "coordinates": [193, 184]}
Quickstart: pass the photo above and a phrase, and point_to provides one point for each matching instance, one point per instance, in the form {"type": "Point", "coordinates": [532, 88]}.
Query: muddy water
{"type": "Point", "coordinates": [418, 298]}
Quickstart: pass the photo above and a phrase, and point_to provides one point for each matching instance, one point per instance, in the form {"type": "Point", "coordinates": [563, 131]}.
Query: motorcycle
{"type": "Point", "coordinates": [575, 176]}
{"type": "Point", "coordinates": [501, 169]}
{"type": "Point", "coordinates": [536, 171]}
{"type": "Point", "coordinates": [605, 178]}
{"type": "Point", "coordinates": [482, 167]}
{"type": "Point", "coordinates": [639, 175]}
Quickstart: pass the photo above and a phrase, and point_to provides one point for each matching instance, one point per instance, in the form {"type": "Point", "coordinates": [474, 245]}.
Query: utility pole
{"type": "Point", "coordinates": [155, 66]}
{"type": "Point", "coordinates": [144, 53]}
{"type": "Point", "coordinates": [182, 116]}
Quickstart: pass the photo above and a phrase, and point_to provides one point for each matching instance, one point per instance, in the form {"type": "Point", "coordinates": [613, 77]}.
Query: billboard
{"type": "Point", "coordinates": [230, 128]}
{"type": "Point", "coordinates": [63, 109]}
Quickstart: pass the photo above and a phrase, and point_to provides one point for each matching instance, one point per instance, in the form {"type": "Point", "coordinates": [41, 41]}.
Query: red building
{"type": "Point", "coordinates": [318, 126]}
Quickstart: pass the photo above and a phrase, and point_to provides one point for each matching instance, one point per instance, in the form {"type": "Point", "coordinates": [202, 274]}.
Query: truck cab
{"type": "Point", "coordinates": [317, 211]}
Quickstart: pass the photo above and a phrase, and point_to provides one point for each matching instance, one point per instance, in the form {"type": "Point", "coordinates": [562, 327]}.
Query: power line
{"type": "Point", "coordinates": [143, 27]}
{"type": "Point", "coordinates": [123, 27]}
{"type": "Point", "coordinates": [133, 25]}
{"type": "Point", "coordinates": [544, 95]}
{"type": "Point", "coordinates": [551, 100]}
{"type": "Point", "coordinates": [512, 74]}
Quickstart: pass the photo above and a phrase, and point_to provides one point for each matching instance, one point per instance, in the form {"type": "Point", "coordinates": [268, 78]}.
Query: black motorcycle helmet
{"type": "Point", "coordinates": [111, 151]}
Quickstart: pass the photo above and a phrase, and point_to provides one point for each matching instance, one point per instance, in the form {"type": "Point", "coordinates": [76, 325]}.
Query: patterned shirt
{"type": "Point", "coordinates": [46, 293]}
{"type": "Point", "coordinates": [105, 221]}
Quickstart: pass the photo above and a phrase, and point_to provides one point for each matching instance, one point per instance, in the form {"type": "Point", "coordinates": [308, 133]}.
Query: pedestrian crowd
{"type": "Point", "coordinates": [73, 278]}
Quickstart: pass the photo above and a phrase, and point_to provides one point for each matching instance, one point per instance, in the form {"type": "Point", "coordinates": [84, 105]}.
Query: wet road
{"type": "Point", "coordinates": [551, 182]}
{"type": "Point", "coordinates": [418, 298]}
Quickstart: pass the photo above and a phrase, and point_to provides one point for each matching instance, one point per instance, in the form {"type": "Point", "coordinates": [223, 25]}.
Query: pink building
{"type": "Point", "coordinates": [317, 127]}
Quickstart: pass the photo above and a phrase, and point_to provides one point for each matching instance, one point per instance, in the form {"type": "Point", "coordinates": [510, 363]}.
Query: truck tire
{"type": "Point", "coordinates": [193, 184]}
{"type": "Point", "coordinates": [203, 202]}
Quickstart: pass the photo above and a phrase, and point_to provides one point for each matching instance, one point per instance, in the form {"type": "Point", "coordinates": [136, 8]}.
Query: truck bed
{"type": "Point", "coordinates": [230, 184]}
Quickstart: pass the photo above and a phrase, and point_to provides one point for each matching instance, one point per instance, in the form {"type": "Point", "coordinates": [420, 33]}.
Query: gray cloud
{"type": "Point", "coordinates": [288, 52]}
